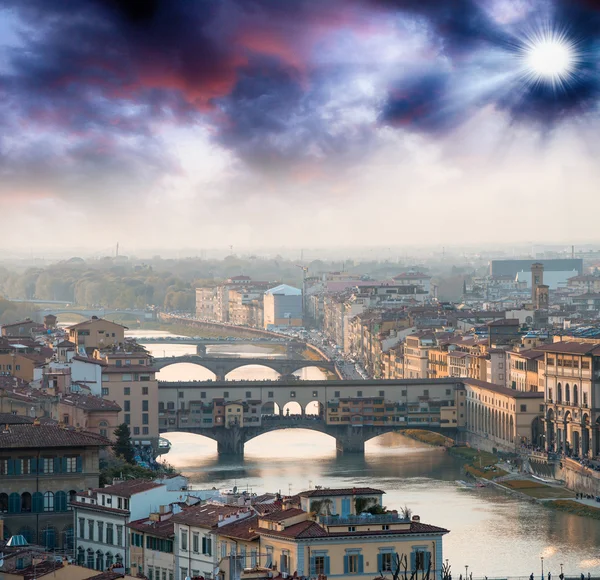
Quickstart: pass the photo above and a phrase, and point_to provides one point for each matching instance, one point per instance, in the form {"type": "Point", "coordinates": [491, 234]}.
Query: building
{"type": "Point", "coordinates": [352, 546]}
{"type": "Point", "coordinates": [196, 553]}
{"type": "Point", "coordinates": [93, 414]}
{"type": "Point", "coordinates": [572, 393]}
{"type": "Point", "coordinates": [283, 307]}
{"type": "Point", "coordinates": [206, 298]}
{"type": "Point", "coordinates": [151, 541]}
{"type": "Point", "coordinates": [503, 332]}
{"type": "Point", "coordinates": [96, 333]}
{"type": "Point", "coordinates": [22, 329]}
{"type": "Point", "coordinates": [416, 354]}
{"type": "Point", "coordinates": [129, 379]}
{"type": "Point", "coordinates": [415, 278]}
{"type": "Point", "coordinates": [101, 515]}
{"type": "Point", "coordinates": [507, 418]}
{"type": "Point", "coordinates": [513, 267]}
{"type": "Point", "coordinates": [42, 467]}
{"type": "Point", "coordinates": [584, 284]}
{"type": "Point", "coordinates": [525, 370]}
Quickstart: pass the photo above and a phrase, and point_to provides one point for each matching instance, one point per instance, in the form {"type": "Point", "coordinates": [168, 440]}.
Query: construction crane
{"type": "Point", "coordinates": [304, 272]}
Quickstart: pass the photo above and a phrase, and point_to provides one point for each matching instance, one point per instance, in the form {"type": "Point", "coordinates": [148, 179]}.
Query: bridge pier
{"type": "Point", "coordinates": [352, 441]}
{"type": "Point", "coordinates": [231, 441]}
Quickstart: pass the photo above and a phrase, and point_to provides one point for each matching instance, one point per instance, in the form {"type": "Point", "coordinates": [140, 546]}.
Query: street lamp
{"type": "Point", "coordinates": [466, 572]}
{"type": "Point", "coordinates": [542, 559]}
{"type": "Point", "coordinates": [561, 571]}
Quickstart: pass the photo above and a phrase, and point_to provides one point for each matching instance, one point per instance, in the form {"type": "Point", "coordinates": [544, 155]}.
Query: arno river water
{"type": "Point", "coordinates": [495, 535]}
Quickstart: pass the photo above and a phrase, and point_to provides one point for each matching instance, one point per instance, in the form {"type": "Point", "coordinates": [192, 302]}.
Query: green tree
{"type": "Point", "coordinates": [122, 446]}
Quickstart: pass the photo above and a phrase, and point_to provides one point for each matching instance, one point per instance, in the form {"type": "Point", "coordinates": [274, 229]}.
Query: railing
{"type": "Point", "coordinates": [363, 519]}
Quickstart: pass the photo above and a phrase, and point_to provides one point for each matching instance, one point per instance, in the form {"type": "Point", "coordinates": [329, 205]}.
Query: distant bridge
{"type": "Point", "coordinates": [213, 341]}
{"type": "Point", "coordinates": [417, 403]}
{"type": "Point", "coordinates": [222, 366]}
{"type": "Point", "coordinates": [134, 314]}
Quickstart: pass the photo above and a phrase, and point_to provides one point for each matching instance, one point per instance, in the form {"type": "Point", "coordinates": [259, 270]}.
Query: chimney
{"type": "Point", "coordinates": [416, 519]}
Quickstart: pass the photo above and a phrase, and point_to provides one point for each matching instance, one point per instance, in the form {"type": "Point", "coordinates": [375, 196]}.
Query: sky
{"type": "Point", "coordinates": [291, 123]}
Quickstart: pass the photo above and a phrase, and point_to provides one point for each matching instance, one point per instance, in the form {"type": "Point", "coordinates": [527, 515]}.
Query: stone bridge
{"type": "Point", "coordinates": [132, 314]}
{"type": "Point", "coordinates": [348, 438]}
{"type": "Point", "coordinates": [222, 366]}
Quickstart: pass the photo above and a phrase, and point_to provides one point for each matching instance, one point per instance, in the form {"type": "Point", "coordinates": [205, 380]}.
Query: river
{"type": "Point", "coordinates": [494, 534]}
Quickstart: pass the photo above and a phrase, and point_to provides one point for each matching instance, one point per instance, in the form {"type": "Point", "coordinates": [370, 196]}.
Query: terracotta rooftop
{"type": "Point", "coordinates": [128, 488]}
{"type": "Point", "coordinates": [281, 515]}
{"type": "Point", "coordinates": [572, 347]}
{"type": "Point", "coordinates": [206, 515]}
{"type": "Point", "coordinates": [46, 436]}
{"type": "Point", "coordinates": [86, 322]}
{"type": "Point", "coordinates": [306, 529]}
{"type": "Point", "coordinates": [90, 403]}
{"type": "Point", "coordinates": [341, 491]}
{"type": "Point", "coordinates": [244, 530]}
{"type": "Point", "coordinates": [505, 322]}
{"type": "Point", "coordinates": [503, 390]}
{"type": "Point", "coordinates": [161, 529]}
{"type": "Point", "coordinates": [267, 508]}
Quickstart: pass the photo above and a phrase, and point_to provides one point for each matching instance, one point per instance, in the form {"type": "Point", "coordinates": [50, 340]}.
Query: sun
{"type": "Point", "coordinates": [549, 58]}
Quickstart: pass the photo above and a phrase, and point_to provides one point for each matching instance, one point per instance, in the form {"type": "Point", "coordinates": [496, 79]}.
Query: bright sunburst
{"type": "Point", "coordinates": [549, 58]}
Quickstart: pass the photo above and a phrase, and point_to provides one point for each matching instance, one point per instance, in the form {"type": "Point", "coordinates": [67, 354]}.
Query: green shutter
{"type": "Point", "coordinates": [60, 501]}
{"type": "Point", "coordinates": [14, 503]}
{"type": "Point", "coordinates": [11, 467]}
{"type": "Point", "coordinates": [57, 465]}
{"type": "Point", "coordinates": [380, 562]}
{"type": "Point", "coordinates": [64, 465]}
{"type": "Point", "coordinates": [37, 502]}
{"type": "Point", "coordinates": [33, 466]}
{"type": "Point", "coordinates": [17, 467]}
{"type": "Point", "coordinates": [204, 544]}
{"type": "Point", "coordinates": [346, 565]}
{"type": "Point", "coordinates": [313, 566]}
{"type": "Point", "coordinates": [426, 561]}
{"type": "Point", "coordinates": [327, 566]}
{"type": "Point", "coordinates": [361, 560]}
{"type": "Point", "coordinates": [79, 464]}
{"type": "Point", "coordinates": [413, 561]}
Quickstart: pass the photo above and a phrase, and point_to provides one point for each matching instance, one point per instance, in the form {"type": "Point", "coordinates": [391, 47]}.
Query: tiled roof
{"type": "Point", "coordinates": [503, 390]}
{"type": "Point", "coordinates": [162, 529]}
{"type": "Point", "coordinates": [306, 529]}
{"type": "Point", "coordinates": [93, 361]}
{"type": "Point", "coordinates": [267, 508]}
{"type": "Point", "coordinates": [341, 491]}
{"type": "Point", "coordinates": [10, 419]}
{"type": "Point", "coordinates": [505, 322]}
{"type": "Point", "coordinates": [107, 575]}
{"type": "Point", "coordinates": [572, 347]}
{"type": "Point", "coordinates": [128, 488]}
{"type": "Point", "coordinates": [241, 530]}
{"type": "Point", "coordinates": [95, 507]}
{"type": "Point", "coordinates": [86, 322]}
{"type": "Point", "coordinates": [206, 515]}
{"type": "Point", "coordinates": [281, 515]}
{"type": "Point", "coordinates": [65, 344]}
{"type": "Point", "coordinates": [47, 436]}
{"type": "Point", "coordinates": [90, 403]}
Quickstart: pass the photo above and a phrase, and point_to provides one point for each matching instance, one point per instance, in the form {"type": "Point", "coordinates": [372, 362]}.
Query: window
{"type": "Point", "coordinates": [293, 394]}
{"type": "Point", "coordinates": [404, 393]}
{"type": "Point", "coordinates": [145, 430]}
{"type": "Point", "coordinates": [585, 399]}
{"type": "Point", "coordinates": [195, 542]}
{"type": "Point", "coordinates": [359, 393]}
{"type": "Point", "coordinates": [203, 394]}
{"type": "Point", "coordinates": [109, 534]}
{"type": "Point", "coordinates": [145, 405]}
{"type": "Point", "coordinates": [126, 378]}
{"type": "Point", "coordinates": [105, 391]}
{"type": "Point", "coordinates": [119, 535]}
{"type": "Point", "coordinates": [448, 391]}
{"type": "Point", "coordinates": [248, 394]}
{"type": "Point", "coordinates": [127, 419]}
{"type": "Point", "coordinates": [426, 392]}
{"type": "Point", "coordinates": [385, 527]}
{"type": "Point", "coordinates": [100, 531]}
{"type": "Point", "coordinates": [145, 418]}
{"type": "Point", "coordinates": [315, 393]}
{"type": "Point", "coordinates": [127, 391]}
{"type": "Point", "coordinates": [144, 390]}
{"type": "Point", "coordinates": [271, 395]}
{"type": "Point", "coordinates": [136, 430]}
{"type": "Point", "coordinates": [141, 362]}
{"type": "Point", "coordinates": [91, 530]}
{"type": "Point", "coordinates": [48, 466]}
{"type": "Point", "coordinates": [81, 527]}
{"type": "Point", "coordinates": [184, 573]}
{"type": "Point", "coordinates": [127, 406]}
{"type": "Point", "coordinates": [184, 541]}
{"type": "Point", "coordinates": [3, 466]}
{"type": "Point", "coordinates": [352, 528]}
{"type": "Point", "coordinates": [226, 394]}
{"type": "Point", "coordinates": [386, 561]}
{"type": "Point", "coordinates": [180, 394]}
{"type": "Point", "coordinates": [352, 561]}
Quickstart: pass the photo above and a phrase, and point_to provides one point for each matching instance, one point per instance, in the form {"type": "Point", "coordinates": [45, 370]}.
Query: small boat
{"type": "Point", "coordinates": [465, 484]}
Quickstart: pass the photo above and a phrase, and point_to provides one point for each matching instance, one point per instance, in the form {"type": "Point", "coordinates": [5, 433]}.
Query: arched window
{"type": "Point", "coordinates": [575, 395]}
{"type": "Point", "coordinates": [38, 502]}
{"type": "Point", "coordinates": [119, 560]}
{"type": "Point", "coordinates": [99, 561]}
{"type": "Point", "coordinates": [80, 556]}
{"type": "Point", "coordinates": [48, 501]}
{"type": "Point", "coordinates": [60, 501]}
{"type": "Point", "coordinates": [103, 428]}
{"type": "Point", "coordinates": [567, 394]}
{"type": "Point", "coordinates": [550, 394]}
{"type": "Point", "coordinates": [90, 558]}
{"type": "Point", "coordinates": [14, 503]}
{"type": "Point", "coordinates": [3, 502]}
{"type": "Point", "coordinates": [559, 393]}
{"type": "Point", "coordinates": [109, 560]}
{"type": "Point", "coordinates": [26, 502]}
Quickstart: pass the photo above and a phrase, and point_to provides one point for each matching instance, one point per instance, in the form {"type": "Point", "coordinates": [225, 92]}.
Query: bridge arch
{"type": "Point", "coordinates": [315, 408]}
{"type": "Point", "coordinates": [292, 408]}
{"type": "Point", "coordinates": [272, 374]}
{"type": "Point", "coordinates": [197, 372]}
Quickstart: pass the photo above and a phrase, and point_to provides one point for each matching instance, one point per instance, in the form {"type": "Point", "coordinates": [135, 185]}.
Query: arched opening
{"type": "Point", "coordinates": [3, 502]}
{"type": "Point", "coordinates": [109, 560]}
{"type": "Point", "coordinates": [270, 409]}
{"type": "Point", "coordinates": [575, 395]}
{"type": "Point", "coordinates": [185, 372]}
{"type": "Point", "coordinates": [568, 440]}
{"type": "Point", "coordinates": [252, 372]}
{"type": "Point", "coordinates": [48, 501]}
{"type": "Point", "coordinates": [559, 393]}
{"type": "Point", "coordinates": [80, 556]}
{"type": "Point", "coordinates": [585, 434]}
{"type": "Point", "coordinates": [72, 497]}
{"type": "Point", "coordinates": [315, 409]}
{"type": "Point", "coordinates": [512, 430]}
{"type": "Point", "coordinates": [26, 502]}
{"type": "Point", "coordinates": [567, 394]}
{"type": "Point", "coordinates": [292, 408]}
{"type": "Point", "coordinates": [312, 373]}
{"type": "Point", "coordinates": [296, 442]}
{"type": "Point", "coordinates": [48, 539]}
{"type": "Point", "coordinates": [69, 318]}
{"type": "Point", "coordinates": [186, 447]}
{"type": "Point", "coordinates": [90, 558]}
{"type": "Point", "coordinates": [99, 560]}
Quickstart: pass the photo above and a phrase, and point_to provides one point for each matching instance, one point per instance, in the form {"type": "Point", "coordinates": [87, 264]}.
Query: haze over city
{"type": "Point", "coordinates": [262, 123]}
